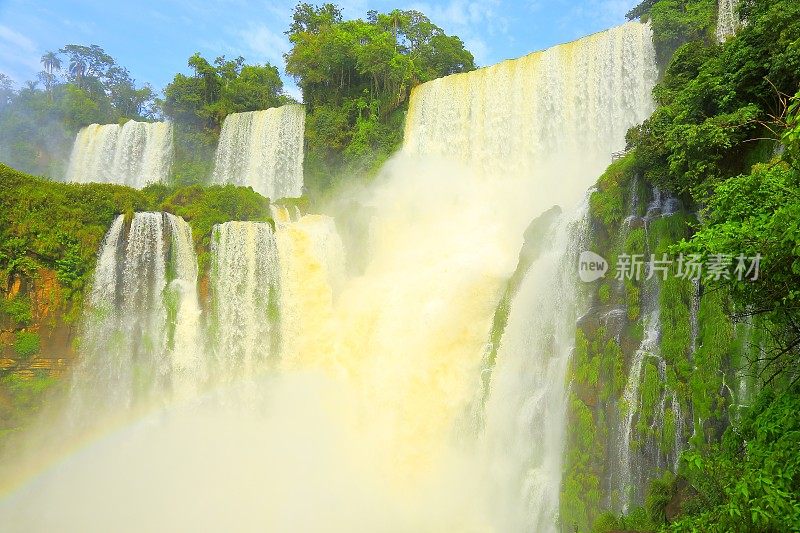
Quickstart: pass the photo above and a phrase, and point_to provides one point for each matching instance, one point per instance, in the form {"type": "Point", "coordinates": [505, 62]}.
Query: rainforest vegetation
{"type": "Point", "coordinates": [724, 140]}
{"type": "Point", "coordinates": [355, 76]}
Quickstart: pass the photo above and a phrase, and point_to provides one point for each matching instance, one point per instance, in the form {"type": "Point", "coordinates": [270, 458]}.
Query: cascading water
{"type": "Point", "coordinates": [133, 154]}
{"type": "Point", "coordinates": [141, 334]}
{"type": "Point", "coordinates": [638, 449]}
{"type": "Point", "coordinates": [525, 413]}
{"type": "Point", "coordinates": [377, 371]}
{"type": "Point", "coordinates": [246, 297]}
{"type": "Point", "coordinates": [727, 19]}
{"type": "Point", "coordinates": [263, 150]}
{"type": "Point", "coordinates": [561, 112]}
{"type": "Point", "coordinates": [312, 272]}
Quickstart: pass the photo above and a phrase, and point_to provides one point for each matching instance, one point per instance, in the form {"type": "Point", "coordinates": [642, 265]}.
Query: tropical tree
{"type": "Point", "coordinates": [88, 65]}
{"type": "Point", "coordinates": [51, 62]}
{"type": "Point", "coordinates": [216, 90]}
{"type": "Point", "coordinates": [357, 76]}
{"type": "Point", "coordinates": [6, 90]}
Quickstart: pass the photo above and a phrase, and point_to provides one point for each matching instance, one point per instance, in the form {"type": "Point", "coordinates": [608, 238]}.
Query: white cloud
{"type": "Point", "coordinates": [607, 12]}
{"type": "Point", "coordinates": [471, 21]}
{"type": "Point", "coordinates": [10, 37]}
{"type": "Point", "coordinates": [263, 44]}
{"type": "Point", "coordinates": [18, 54]}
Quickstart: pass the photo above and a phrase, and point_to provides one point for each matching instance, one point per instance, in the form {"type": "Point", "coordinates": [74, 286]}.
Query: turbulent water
{"type": "Point", "coordinates": [133, 154]}
{"type": "Point", "coordinates": [263, 150]}
{"type": "Point", "coordinates": [364, 382]}
{"type": "Point", "coordinates": [524, 421]}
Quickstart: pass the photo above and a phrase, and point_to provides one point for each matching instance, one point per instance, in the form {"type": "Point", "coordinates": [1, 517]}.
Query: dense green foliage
{"type": "Point", "coordinates": [726, 137]}
{"type": "Point", "coordinates": [722, 108]}
{"type": "Point", "coordinates": [750, 481]}
{"type": "Point", "coordinates": [30, 241]}
{"type": "Point", "coordinates": [57, 226]}
{"type": "Point", "coordinates": [356, 77]}
{"type": "Point", "coordinates": [676, 22]}
{"type": "Point", "coordinates": [215, 91]}
{"type": "Point", "coordinates": [26, 344]}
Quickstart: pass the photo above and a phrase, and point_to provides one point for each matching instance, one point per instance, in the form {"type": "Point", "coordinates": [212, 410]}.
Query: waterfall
{"type": "Point", "coordinates": [141, 333]}
{"type": "Point", "coordinates": [558, 113]}
{"type": "Point", "coordinates": [263, 150]}
{"type": "Point", "coordinates": [727, 19]}
{"type": "Point", "coordinates": [246, 296]}
{"type": "Point", "coordinates": [375, 373]}
{"type": "Point", "coordinates": [133, 154]}
{"type": "Point", "coordinates": [627, 480]}
{"type": "Point", "coordinates": [526, 412]}
{"type": "Point", "coordinates": [551, 119]}
{"type": "Point", "coordinates": [639, 452]}
{"type": "Point", "coordinates": [311, 272]}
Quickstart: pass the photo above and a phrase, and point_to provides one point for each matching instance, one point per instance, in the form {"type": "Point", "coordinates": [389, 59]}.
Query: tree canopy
{"type": "Point", "coordinates": [216, 90]}
{"type": "Point", "coordinates": [356, 77]}
{"type": "Point", "coordinates": [78, 85]}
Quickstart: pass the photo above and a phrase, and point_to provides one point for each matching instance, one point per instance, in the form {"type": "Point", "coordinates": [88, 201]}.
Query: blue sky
{"type": "Point", "coordinates": [154, 38]}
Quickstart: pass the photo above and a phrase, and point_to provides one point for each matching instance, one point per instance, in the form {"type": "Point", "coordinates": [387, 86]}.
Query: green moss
{"type": "Point", "coordinates": [606, 523]}
{"type": "Point", "coordinates": [604, 293]}
{"type": "Point", "coordinates": [636, 242]}
{"type": "Point", "coordinates": [18, 310]}
{"type": "Point", "coordinates": [668, 431]}
{"type": "Point", "coordinates": [607, 203]}
{"type": "Point", "coordinates": [26, 344]}
{"type": "Point", "coordinates": [715, 340]}
{"type": "Point", "coordinates": [675, 299]}
{"type": "Point", "coordinates": [580, 492]}
{"type": "Point", "coordinates": [651, 390]}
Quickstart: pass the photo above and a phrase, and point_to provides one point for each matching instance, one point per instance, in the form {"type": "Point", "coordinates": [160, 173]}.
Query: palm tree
{"type": "Point", "coordinates": [395, 18]}
{"type": "Point", "coordinates": [77, 68]}
{"type": "Point", "coordinates": [51, 63]}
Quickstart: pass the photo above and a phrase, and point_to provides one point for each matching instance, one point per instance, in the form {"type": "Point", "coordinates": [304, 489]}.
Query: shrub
{"type": "Point", "coordinates": [27, 344]}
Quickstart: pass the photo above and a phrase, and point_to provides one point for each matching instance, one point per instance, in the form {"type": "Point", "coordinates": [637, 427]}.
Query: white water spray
{"type": "Point", "coordinates": [727, 19]}
{"type": "Point", "coordinates": [133, 154]}
{"type": "Point", "coordinates": [263, 150]}
{"type": "Point", "coordinates": [363, 420]}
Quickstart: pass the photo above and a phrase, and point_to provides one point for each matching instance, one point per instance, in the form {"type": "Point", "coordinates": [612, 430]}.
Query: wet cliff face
{"type": "Point", "coordinates": [37, 306]}
{"type": "Point", "coordinates": [36, 343]}
{"type": "Point", "coordinates": [651, 373]}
